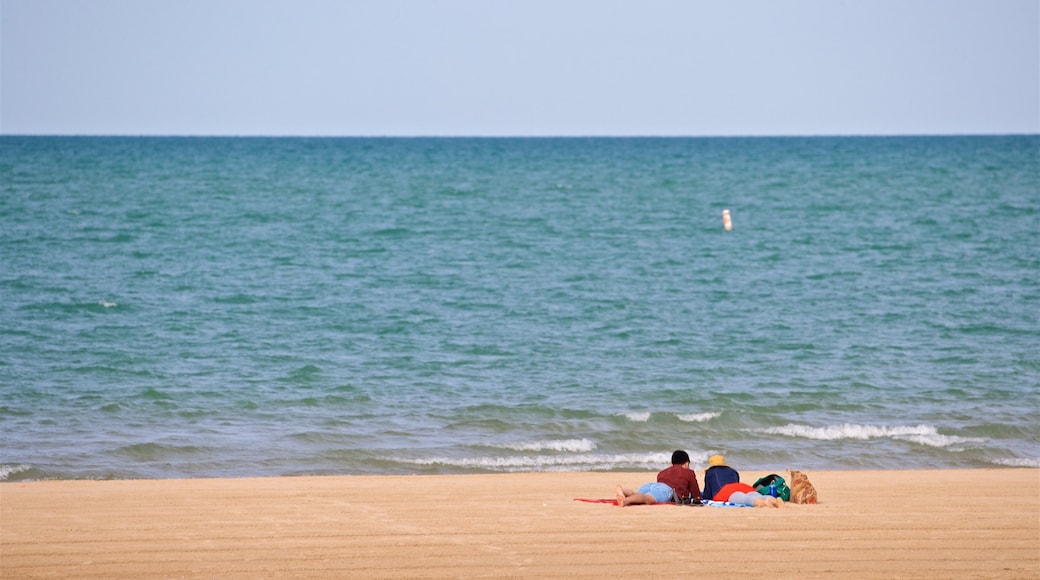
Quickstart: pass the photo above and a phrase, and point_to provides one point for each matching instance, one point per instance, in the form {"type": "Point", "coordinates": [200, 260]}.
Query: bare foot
{"type": "Point", "coordinates": [619, 495]}
{"type": "Point", "coordinates": [760, 503]}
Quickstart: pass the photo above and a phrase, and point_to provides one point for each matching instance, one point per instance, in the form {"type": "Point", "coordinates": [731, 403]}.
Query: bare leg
{"type": "Point", "coordinates": [639, 498]}
{"type": "Point", "coordinates": [628, 497]}
{"type": "Point", "coordinates": [620, 495]}
{"type": "Point", "coordinates": [643, 498]}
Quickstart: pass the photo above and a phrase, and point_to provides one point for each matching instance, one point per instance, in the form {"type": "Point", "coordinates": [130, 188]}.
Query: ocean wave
{"type": "Point", "coordinates": [1017, 462]}
{"type": "Point", "coordinates": [939, 440]}
{"type": "Point", "coordinates": [157, 451]}
{"type": "Point", "coordinates": [6, 471]}
{"type": "Point", "coordinates": [636, 461]}
{"type": "Point", "coordinates": [921, 434]}
{"type": "Point", "coordinates": [564, 445]}
{"type": "Point", "coordinates": [645, 416]}
{"type": "Point", "coordinates": [698, 417]}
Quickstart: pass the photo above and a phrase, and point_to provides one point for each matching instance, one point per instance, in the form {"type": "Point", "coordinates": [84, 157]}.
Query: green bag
{"type": "Point", "coordinates": [782, 491]}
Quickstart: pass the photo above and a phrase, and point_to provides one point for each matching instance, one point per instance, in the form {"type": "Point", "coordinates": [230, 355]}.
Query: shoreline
{"type": "Point", "coordinates": [8, 481]}
{"type": "Point", "coordinates": [982, 523]}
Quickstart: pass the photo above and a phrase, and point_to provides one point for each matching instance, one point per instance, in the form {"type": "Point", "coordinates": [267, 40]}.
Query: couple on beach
{"type": "Point", "coordinates": [678, 483]}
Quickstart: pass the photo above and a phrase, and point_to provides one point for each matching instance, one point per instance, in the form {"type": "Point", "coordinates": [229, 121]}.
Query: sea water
{"type": "Point", "coordinates": [202, 307]}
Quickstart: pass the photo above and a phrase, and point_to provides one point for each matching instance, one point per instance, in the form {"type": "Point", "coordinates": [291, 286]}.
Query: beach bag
{"type": "Point", "coordinates": [782, 491]}
{"type": "Point", "coordinates": [801, 490]}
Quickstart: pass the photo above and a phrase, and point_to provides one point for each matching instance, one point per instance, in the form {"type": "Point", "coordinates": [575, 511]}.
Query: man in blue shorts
{"type": "Point", "coordinates": [675, 481]}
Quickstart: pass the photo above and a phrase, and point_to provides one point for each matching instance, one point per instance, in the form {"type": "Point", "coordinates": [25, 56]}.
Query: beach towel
{"type": "Point", "coordinates": [614, 502]}
{"type": "Point", "coordinates": [725, 504]}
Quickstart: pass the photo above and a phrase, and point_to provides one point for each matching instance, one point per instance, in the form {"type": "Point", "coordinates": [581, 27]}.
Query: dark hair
{"type": "Point", "coordinates": [679, 457]}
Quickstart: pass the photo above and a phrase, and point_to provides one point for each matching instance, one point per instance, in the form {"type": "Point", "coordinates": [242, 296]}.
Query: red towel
{"type": "Point", "coordinates": [614, 501]}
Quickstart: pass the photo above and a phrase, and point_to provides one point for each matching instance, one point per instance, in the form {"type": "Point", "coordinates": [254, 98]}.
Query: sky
{"type": "Point", "coordinates": [519, 67]}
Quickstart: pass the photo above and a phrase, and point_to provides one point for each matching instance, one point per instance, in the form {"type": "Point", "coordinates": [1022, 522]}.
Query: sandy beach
{"type": "Point", "coordinates": [868, 524]}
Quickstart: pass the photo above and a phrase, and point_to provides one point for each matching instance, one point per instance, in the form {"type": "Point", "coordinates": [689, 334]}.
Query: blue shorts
{"type": "Point", "coordinates": [661, 492]}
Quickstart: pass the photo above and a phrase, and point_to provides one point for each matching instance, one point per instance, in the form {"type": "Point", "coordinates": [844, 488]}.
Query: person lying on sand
{"type": "Point", "coordinates": [677, 481]}
{"type": "Point", "coordinates": [755, 499]}
{"type": "Point", "coordinates": [743, 494]}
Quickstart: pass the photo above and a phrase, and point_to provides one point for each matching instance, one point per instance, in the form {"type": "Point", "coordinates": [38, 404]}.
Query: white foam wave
{"type": "Point", "coordinates": [648, 461]}
{"type": "Point", "coordinates": [1018, 462]}
{"type": "Point", "coordinates": [565, 445]}
{"type": "Point", "coordinates": [698, 417]}
{"type": "Point", "coordinates": [7, 471]}
{"type": "Point", "coordinates": [921, 434]}
{"type": "Point", "coordinates": [939, 440]}
{"type": "Point", "coordinates": [638, 416]}
{"type": "Point", "coordinates": [108, 304]}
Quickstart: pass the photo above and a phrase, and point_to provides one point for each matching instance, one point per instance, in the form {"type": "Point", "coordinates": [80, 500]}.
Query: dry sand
{"type": "Point", "coordinates": [880, 524]}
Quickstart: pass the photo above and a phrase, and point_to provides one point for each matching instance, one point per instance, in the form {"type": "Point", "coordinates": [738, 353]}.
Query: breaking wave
{"type": "Point", "coordinates": [586, 461]}
{"type": "Point", "coordinates": [920, 434]}
{"type": "Point", "coordinates": [698, 417]}
{"type": "Point", "coordinates": [565, 445]}
{"type": "Point", "coordinates": [6, 471]}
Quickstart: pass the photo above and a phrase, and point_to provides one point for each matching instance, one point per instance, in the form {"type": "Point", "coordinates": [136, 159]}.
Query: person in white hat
{"type": "Point", "coordinates": [717, 475]}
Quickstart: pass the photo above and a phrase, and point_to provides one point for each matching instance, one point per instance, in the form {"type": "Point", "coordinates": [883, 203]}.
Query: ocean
{"type": "Point", "coordinates": [233, 307]}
